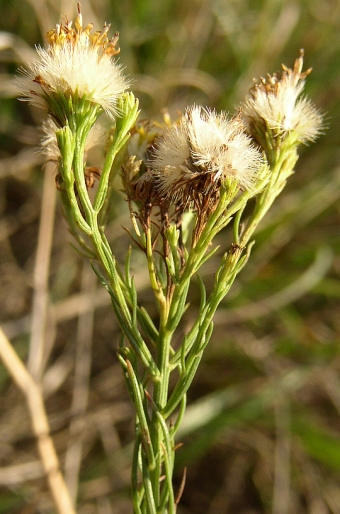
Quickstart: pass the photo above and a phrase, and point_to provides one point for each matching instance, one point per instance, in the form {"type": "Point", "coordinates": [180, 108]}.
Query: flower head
{"type": "Point", "coordinates": [201, 152]}
{"type": "Point", "coordinates": [276, 102]}
{"type": "Point", "coordinates": [76, 64]}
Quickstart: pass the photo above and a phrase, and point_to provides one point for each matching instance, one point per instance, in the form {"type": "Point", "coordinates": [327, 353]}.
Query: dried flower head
{"type": "Point", "coordinates": [201, 152]}
{"type": "Point", "coordinates": [276, 102]}
{"type": "Point", "coordinates": [78, 64]}
{"type": "Point", "coordinates": [138, 180]}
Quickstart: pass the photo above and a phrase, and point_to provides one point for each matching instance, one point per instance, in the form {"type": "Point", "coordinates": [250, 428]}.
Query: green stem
{"type": "Point", "coordinates": [137, 494]}
{"type": "Point", "coordinates": [282, 168]}
{"type": "Point", "coordinates": [160, 396]}
{"type": "Point", "coordinates": [81, 133]}
{"type": "Point", "coordinates": [154, 280]}
{"type": "Point", "coordinates": [128, 107]}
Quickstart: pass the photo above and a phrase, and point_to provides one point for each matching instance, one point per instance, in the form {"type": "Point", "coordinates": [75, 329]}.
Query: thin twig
{"type": "Point", "coordinates": [40, 425]}
{"type": "Point", "coordinates": [37, 350]}
{"type": "Point", "coordinates": [181, 487]}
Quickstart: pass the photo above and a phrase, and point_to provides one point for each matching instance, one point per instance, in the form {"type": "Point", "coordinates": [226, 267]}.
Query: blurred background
{"type": "Point", "coordinates": [262, 430]}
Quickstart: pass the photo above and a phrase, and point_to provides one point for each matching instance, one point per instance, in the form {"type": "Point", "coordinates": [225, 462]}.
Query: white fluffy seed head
{"type": "Point", "coordinates": [205, 143]}
{"type": "Point", "coordinates": [75, 62]}
{"type": "Point", "coordinates": [277, 101]}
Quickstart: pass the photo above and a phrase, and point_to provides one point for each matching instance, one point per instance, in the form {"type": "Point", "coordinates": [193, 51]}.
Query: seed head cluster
{"type": "Point", "coordinates": [187, 163]}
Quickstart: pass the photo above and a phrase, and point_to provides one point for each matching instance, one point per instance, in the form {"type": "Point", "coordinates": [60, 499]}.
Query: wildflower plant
{"type": "Point", "coordinates": [184, 181]}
